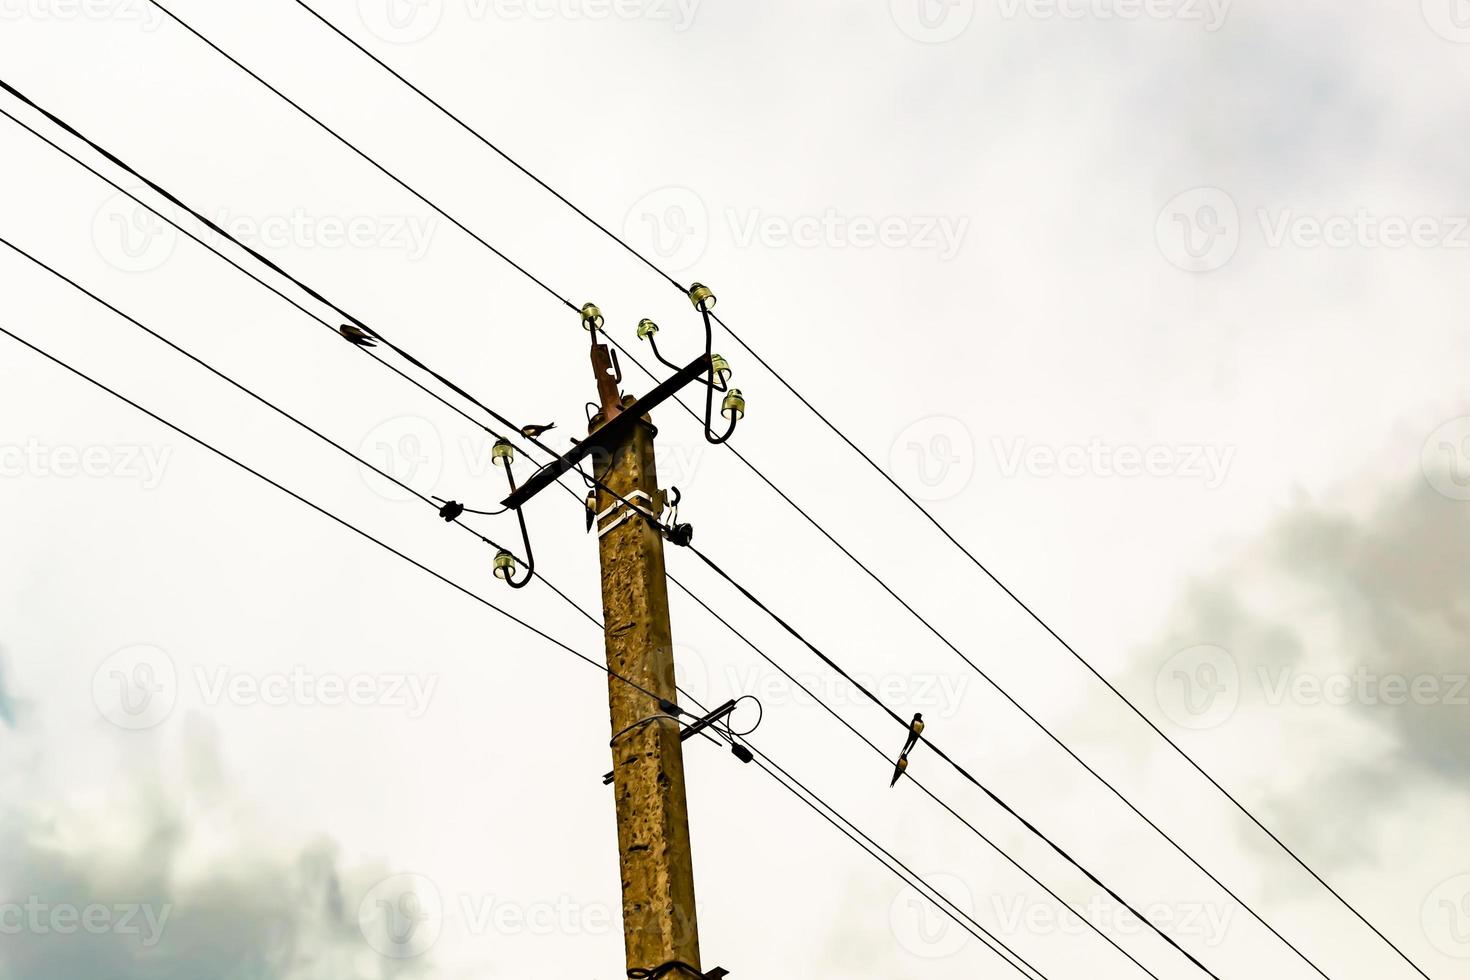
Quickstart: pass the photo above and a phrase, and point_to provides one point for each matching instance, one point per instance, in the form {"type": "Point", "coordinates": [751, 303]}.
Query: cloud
{"type": "Point", "coordinates": [177, 885]}
{"type": "Point", "coordinates": [1349, 630]}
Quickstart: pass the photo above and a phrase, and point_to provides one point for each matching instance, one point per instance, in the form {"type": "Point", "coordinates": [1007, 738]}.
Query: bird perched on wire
{"type": "Point", "coordinates": [916, 728]}
{"type": "Point", "coordinates": [591, 509]}
{"type": "Point", "coordinates": [354, 334]}
{"type": "Point", "coordinates": [536, 431]}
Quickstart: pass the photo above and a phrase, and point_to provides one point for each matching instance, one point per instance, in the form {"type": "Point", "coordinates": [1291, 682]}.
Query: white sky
{"type": "Point", "coordinates": [1033, 299]}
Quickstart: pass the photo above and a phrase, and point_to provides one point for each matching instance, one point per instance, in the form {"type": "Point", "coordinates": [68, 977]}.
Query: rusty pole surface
{"type": "Point", "coordinates": [659, 922]}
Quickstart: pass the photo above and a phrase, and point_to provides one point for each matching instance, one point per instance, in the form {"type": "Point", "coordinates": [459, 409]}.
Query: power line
{"type": "Point", "coordinates": [927, 514]}
{"type": "Point", "coordinates": [485, 602]}
{"type": "Point", "coordinates": [310, 291]}
{"type": "Point", "coordinates": [570, 305]}
{"type": "Point", "coordinates": [326, 513]}
{"type": "Point", "coordinates": [947, 758]}
{"type": "Point", "coordinates": [769, 766]}
{"type": "Point", "coordinates": [887, 760]}
{"type": "Point", "coordinates": [303, 286]}
{"type": "Point", "coordinates": [225, 377]}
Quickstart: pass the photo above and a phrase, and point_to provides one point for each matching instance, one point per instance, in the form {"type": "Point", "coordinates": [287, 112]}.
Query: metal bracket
{"type": "Point", "coordinates": [628, 510]}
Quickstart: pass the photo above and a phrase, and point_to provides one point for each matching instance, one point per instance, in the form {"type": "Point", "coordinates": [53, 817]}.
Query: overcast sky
{"type": "Point", "coordinates": [1158, 305]}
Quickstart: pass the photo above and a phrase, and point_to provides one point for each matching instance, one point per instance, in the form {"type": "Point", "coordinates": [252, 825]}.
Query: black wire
{"type": "Point", "coordinates": [946, 757]}
{"type": "Point", "coordinates": [570, 305]}
{"type": "Point", "coordinates": [501, 153]}
{"type": "Point", "coordinates": [297, 106]}
{"type": "Point", "coordinates": [225, 377]}
{"type": "Point", "coordinates": [326, 513]}
{"type": "Point", "coordinates": [909, 497]}
{"type": "Point", "coordinates": [888, 760]}
{"type": "Point", "coordinates": [299, 283]}
{"type": "Point", "coordinates": [940, 902]}
{"type": "Point", "coordinates": [992, 682]}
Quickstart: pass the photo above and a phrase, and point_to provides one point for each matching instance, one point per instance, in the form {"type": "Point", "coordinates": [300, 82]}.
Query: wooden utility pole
{"type": "Point", "coordinates": [659, 921]}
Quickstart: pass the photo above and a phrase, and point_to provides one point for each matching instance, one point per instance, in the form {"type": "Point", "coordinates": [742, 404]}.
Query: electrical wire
{"type": "Point", "coordinates": [570, 305]}
{"type": "Point", "coordinates": [1036, 831]}
{"type": "Point", "coordinates": [352, 527]}
{"type": "Point", "coordinates": [887, 760]}
{"type": "Point", "coordinates": [237, 385]}
{"type": "Point", "coordinates": [917, 505]}
{"type": "Point", "coordinates": [303, 286]}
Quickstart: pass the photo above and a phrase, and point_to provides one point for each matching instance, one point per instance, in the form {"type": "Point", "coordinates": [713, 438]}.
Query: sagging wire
{"type": "Point", "coordinates": [504, 454]}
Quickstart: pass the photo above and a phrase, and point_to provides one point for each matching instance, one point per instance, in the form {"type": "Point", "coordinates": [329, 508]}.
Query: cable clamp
{"type": "Point", "coordinates": [637, 502]}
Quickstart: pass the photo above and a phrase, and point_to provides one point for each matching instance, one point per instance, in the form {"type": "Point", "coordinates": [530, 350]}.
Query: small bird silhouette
{"type": "Point", "coordinates": [591, 509]}
{"type": "Point", "coordinates": [916, 728]}
{"type": "Point", "coordinates": [354, 334]}
{"type": "Point", "coordinates": [536, 431]}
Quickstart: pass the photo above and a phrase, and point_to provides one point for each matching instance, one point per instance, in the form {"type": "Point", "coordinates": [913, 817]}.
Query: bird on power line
{"type": "Point", "coordinates": [591, 510]}
{"type": "Point", "coordinates": [536, 431]}
{"type": "Point", "coordinates": [354, 334]}
{"type": "Point", "coordinates": [916, 728]}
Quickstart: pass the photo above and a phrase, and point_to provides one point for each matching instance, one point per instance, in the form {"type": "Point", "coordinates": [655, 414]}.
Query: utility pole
{"type": "Point", "coordinates": [660, 928]}
{"type": "Point", "coordinates": [659, 921]}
